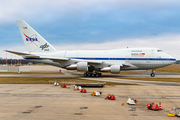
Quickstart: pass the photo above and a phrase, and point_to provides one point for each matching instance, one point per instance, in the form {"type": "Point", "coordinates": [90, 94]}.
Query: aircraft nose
{"type": "Point", "coordinates": [172, 59]}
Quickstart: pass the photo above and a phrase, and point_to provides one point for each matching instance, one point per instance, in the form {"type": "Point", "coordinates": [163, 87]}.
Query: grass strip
{"type": "Point", "coordinates": [45, 80]}
{"type": "Point", "coordinates": [156, 79]}
{"type": "Point", "coordinates": [171, 68]}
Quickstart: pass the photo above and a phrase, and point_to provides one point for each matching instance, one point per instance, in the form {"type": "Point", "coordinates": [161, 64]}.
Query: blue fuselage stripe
{"type": "Point", "coordinates": [154, 59]}
{"type": "Point", "coordinates": [158, 59]}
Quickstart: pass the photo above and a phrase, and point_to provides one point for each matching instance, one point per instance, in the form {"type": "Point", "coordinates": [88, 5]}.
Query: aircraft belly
{"type": "Point", "coordinates": [150, 65]}
{"type": "Point", "coordinates": [118, 62]}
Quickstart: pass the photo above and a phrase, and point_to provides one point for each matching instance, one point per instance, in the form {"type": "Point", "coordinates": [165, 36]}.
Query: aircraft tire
{"type": "Point", "coordinates": [152, 74]}
{"type": "Point", "coordinates": [85, 75]}
{"type": "Point", "coordinates": [89, 74]}
{"type": "Point", "coordinates": [97, 75]}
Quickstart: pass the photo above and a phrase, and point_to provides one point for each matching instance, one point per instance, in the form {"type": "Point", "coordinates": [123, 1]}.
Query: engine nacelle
{"type": "Point", "coordinates": [82, 66]}
{"type": "Point", "coordinates": [115, 69]}
{"type": "Point", "coordinates": [72, 67]}
{"type": "Point", "coordinates": [112, 69]}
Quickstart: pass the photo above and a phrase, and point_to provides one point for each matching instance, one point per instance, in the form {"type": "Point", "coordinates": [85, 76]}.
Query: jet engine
{"type": "Point", "coordinates": [112, 69]}
{"type": "Point", "coordinates": [115, 69]}
{"type": "Point", "coordinates": [82, 66]}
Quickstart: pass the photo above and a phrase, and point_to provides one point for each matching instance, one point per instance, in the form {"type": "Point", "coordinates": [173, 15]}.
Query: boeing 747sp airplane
{"type": "Point", "coordinates": [92, 62]}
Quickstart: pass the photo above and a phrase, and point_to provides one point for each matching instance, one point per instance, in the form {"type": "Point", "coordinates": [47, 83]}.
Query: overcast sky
{"type": "Point", "coordinates": [93, 24]}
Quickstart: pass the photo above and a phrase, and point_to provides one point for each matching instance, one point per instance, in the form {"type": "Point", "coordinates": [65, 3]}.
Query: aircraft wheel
{"type": "Point", "coordinates": [85, 75]}
{"type": "Point", "coordinates": [97, 75]}
{"type": "Point", "coordinates": [93, 75]}
{"type": "Point", "coordinates": [89, 74]}
{"type": "Point", "coordinates": [152, 74]}
{"type": "Point", "coordinates": [100, 74]}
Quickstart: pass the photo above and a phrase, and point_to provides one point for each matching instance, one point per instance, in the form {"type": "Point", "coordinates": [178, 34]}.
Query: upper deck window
{"type": "Point", "coordinates": [159, 51]}
{"type": "Point", "coordinates": [136, 50]}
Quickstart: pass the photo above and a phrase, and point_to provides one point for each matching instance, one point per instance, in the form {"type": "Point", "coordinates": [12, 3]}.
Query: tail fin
{"type": "Point", "coordinates": [32, 40]}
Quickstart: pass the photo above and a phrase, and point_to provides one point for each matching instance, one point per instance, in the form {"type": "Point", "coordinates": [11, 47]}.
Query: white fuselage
{"type": "Point", "coordinates": [135, 58]}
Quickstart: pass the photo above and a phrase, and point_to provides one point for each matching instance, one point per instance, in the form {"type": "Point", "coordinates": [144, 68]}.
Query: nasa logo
{"type": "Point", "coordinates": [30, 38]}
{"type": "Point", "coordinates": [44, 46]}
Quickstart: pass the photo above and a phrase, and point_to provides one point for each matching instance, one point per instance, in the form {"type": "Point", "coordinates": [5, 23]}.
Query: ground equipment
{"type": "Point", "coordinates": [154, 106]}
{"type": "Point", "coordinates": [96, 93]}
{"type": "Point", "coordinates": [56, 84]}
{"type": "Point", "coordinates": [77, 87]}
{"type": "Point", "coordinates": [83, 90]}
{"type": "Point", "coordinates": [110, 97]}
{"type": "Point", "coordinates": [131, 101]}
{"type": "Point", "coordinates": [62, 85]}
{"type": "Point", "coordinates": [175, 111]}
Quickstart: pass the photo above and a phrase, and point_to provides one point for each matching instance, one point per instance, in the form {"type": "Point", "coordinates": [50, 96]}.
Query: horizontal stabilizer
{"type": "Point", "coordinates": [31, 56]}
{"type": "Point", "coordinates": [17, 53]}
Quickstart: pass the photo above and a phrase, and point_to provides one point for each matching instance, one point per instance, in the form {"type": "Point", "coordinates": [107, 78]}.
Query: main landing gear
{"type": "Point", "coordinates": [90, 74]}
{"type": "Point", "coordinates": [153, 73]}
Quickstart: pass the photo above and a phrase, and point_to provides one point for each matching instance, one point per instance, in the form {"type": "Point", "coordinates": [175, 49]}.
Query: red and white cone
{"type": "Point", "coordinates": [159, 105]}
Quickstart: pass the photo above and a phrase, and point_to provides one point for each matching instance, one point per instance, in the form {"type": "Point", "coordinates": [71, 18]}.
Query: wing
{"type": "Point", "coordinates": [94, 63]}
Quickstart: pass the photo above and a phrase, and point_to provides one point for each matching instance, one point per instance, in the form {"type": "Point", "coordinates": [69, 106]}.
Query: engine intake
{"type": "Point", "coordinates": [115, 69]}
{"type": "Point", "coordinates": [112, 69]}
{"type": "Point", "coordinates": [82, 66]}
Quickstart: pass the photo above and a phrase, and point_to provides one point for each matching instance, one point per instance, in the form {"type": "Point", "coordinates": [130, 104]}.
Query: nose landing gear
{"type": "Point", "coordinates": [153, 73]}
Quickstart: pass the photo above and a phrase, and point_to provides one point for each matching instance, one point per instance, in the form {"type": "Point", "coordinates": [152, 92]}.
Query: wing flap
{"type": "Point", "coordinates": [55, 59]}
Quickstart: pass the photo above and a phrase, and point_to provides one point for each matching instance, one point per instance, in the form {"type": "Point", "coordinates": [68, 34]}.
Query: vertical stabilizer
{"type": "Point", "coordinates": [32, 40]}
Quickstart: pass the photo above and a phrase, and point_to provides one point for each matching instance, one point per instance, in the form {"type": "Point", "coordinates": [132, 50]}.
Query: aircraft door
{"type": "Point", "coordinates": [148, 59]}
{"type": "Point", "coordinates": [152, 51]}
{"type": "Point", "coordinates": [162, 60]}
{"type": "Point", "coordinates": [127, 59]}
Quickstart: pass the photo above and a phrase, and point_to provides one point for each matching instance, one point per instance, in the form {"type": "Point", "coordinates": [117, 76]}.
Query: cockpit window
{"type": "Point", "coordinates": [159, 51]}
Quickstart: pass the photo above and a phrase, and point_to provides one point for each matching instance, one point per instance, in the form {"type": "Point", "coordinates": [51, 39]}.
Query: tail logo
{"type": "Point", "coordinates": [30, 38]}
{"type": "Point", "coordinates": [44, 46]}
{"type": "Point", "coordinates": [33, 38]}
